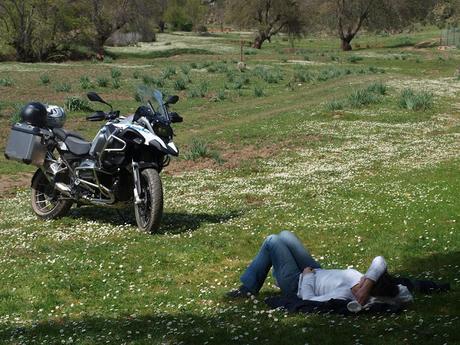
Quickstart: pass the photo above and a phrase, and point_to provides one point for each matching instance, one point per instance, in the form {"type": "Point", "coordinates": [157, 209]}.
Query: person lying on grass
{"type": "Point", "coordinates": [298, 274]}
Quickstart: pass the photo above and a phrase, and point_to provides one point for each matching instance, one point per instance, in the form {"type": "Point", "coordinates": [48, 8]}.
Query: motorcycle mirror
{"type": "Point", "coordinates": [175, 117]}
{"type": "Point", "coordinates": [94, 97]}
{"type": "Point", "coordinates": [172, 99]}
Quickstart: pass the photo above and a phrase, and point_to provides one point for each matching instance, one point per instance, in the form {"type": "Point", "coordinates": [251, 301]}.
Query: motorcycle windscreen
{"type": "Point", "coordinates": [158, 96]}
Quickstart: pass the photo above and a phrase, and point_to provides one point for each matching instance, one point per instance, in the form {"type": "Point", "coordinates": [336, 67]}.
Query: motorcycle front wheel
{"type": "Point", "coordinates": [46, 201]}
{"type": "Point", "coordinates": [150, 210]}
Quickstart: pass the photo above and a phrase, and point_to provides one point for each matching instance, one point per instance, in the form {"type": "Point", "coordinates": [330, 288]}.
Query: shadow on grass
{"type": "Point", "coordinates": [177, 222]}
{"type": "Point", "coordinates": [182, 328]}
{"type": "Point", "coordinates": [433, 266]}
{"type": "Point", "coordinates": [172, 222]}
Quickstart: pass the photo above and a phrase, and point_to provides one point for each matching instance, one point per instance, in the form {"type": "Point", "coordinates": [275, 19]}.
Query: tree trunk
{"type": "Point", "coordinates": [99, 44]}
{"type": "Point", "coordinates": [161, 26]}
{"type": "Point", "coordinates": [259, 40]}
{"type": "Point", "coordinates": [346, 46]}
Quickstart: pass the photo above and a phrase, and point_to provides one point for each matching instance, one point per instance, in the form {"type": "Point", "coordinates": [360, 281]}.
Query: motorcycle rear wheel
{"type": "Point", "coordinates": [45, 200]}
{"type": "Point", "coordinates": [149, 212]}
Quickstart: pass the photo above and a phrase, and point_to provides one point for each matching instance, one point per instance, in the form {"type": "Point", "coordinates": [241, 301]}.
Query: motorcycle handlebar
{"type": "Point", "coordinates": [100, 115]}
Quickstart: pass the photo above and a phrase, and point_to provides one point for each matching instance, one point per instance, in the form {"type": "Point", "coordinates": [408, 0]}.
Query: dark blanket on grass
{"type": "Point", "coordinates": [338, 306]}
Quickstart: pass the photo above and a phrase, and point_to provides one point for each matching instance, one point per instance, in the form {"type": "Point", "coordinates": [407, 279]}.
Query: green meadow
{"type": "Point", "coordinates": [357, 153]}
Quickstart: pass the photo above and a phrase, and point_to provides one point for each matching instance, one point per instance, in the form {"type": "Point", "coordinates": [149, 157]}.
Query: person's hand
{"type": "Point", "coordinates": [308, 270]}
{"type": "Point", "coordinates": [362, 290]}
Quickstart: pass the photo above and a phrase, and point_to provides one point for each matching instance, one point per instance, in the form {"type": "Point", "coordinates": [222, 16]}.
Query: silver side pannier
{"type": "Point", "coordinates": [26, 144]}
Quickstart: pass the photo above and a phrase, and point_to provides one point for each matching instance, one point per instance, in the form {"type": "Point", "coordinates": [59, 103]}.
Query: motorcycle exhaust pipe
{"type": "Point", "coordinates": [62, 188]}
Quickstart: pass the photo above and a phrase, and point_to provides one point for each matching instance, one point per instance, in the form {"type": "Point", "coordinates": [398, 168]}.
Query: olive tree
{"type": "Point", "coordinates": [268, 17]}
{"type": "Point", "coordinates": [351, 15]}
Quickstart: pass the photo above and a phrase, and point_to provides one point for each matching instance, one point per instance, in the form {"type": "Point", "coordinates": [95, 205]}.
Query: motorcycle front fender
{"type": "Point", "coordinates": [169, 149]}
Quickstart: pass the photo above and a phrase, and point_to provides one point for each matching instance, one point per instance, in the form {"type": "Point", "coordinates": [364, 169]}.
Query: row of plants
{"type": "Point", "coordinates": [408, 99]}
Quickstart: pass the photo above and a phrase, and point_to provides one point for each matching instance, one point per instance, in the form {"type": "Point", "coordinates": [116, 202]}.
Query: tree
{"type": "Point", "coordinates": [36, 29]}
{"type": "Point", "coordinates": [268, 16]}
{"type": "Point", "coordinates": [445, 13]}
{"type": "Point", "coordinates": [106, 17]}
{"type": "Point", "coordinates": [348, 17]}
{"type": "Point", "coordinates": [351, 15]}
{"type": "Point", "coordinates": [185, 15]}
{"type": "Point", "coordinates": [176, 15]}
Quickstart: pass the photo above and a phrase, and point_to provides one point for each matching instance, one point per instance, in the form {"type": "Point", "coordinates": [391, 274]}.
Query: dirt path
{"type": "Point", "coordinates": [9, 183]}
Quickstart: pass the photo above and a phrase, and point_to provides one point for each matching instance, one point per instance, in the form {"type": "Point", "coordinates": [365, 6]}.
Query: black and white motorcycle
{"type": "Point", "coordinates": [120, 166]}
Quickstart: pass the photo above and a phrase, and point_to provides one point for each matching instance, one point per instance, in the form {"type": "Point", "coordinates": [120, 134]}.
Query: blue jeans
{"type": "Point", "coordinates": [288, 257]}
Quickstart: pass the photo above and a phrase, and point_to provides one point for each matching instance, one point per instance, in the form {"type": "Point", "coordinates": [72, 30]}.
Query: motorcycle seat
{"type": "Point", "coordinates": [77, 146]}
{"type": "Point", "coordinates": [62, 134]}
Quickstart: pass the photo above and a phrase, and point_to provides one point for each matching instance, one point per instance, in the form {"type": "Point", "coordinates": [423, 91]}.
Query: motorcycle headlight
{"type": "Point", "coordinates": [163, 131]}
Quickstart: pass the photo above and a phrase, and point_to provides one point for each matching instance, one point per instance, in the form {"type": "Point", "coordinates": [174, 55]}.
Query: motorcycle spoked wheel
{"type": "Point", "coordinates": [45, 200]}
{"type": "Point", "coordinates": [149, 212]}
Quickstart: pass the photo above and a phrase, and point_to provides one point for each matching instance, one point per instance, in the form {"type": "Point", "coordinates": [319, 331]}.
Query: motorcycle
{"type": "Point", "coordinates": [121, 166]}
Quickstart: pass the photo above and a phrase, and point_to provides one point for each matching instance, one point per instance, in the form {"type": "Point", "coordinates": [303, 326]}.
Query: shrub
{"type": "Point", "coordinates": [238, 84]}
{"type": "Point", "coordinates": [412, 100]}
{"type": "Point", "coordinates": [245, 79]}
{"type": "Point", "coordinates": [168, 72]}
{"type": "Point", "coordinates": [85, 83]}
{"type": "Point", "coordinates": [136, 74]}
{"type": "Point", "coordinates": [205, 64]}
{"type": "Point", "coordinates": [259, 92]}
{"type": "Point", "coordinates": [221, 95]}
{"type": "Point", "coordinates": [115, 73]}
{"type": "Point", "coordinates": [335, 105]}
{"type": "Point", "coordinates": [62, 87]}
{"type": "Point", "coordinates": [193, 65]}
{"type": "Point", "coordinates": [306, 58]}
{"type": "Point", "coordinates": [16, 116]}
{"type": "Point", "coordinates": [185, 69]}
{"type": "Point", "coordinates": [180, 84]}
{"type": "Point", "coordinates": [6, 82]}
{"type": "Point", "coordinates": [250, 51]}
{"type": "Point", "coordinates": [102, 81]}
{"type": "Point", "coordinates": [45, 79]}
{"type": "Point", "coordinates": [376, 70]}
{"type": "Point", "coordinates": [108, 59]}
{"type": "Point", "coordinates": [212, 69]}
{"type": "Point", "coordinates": [363, 97]}
{"type": "Point", "coordinates": [378, 88]}
{"type": "Point", "coordinates": [302, 75]}
{"type": "Point", "coordinates": [354, 59]}
{"type": "Point", "coordinates": [138, 96]}
{"type": "Point", "coordinates": [75, 103]}
{"type": "Point", "coordinates": [194, 93]}
{"type": "Point", "coordinates": [222, 67]}
{"type": "Point", "coordinates": [199, 91]}
{"type": "Point", "coordinates": [116, 83]}
{"type": "Point", "coordinates": [148, 80]}
{"type": "Point", "coordinates": [198, 149]}
{"type": "Point", "coordinates": [160, 82]}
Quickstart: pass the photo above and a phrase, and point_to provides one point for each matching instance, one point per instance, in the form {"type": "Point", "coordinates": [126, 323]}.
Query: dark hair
{"type": "Point", "coordinates": [385, 286]}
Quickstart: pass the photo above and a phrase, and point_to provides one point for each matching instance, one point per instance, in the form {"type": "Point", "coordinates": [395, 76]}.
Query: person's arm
{"type": "Point", "coordinates": [363, 290]}
{"type": "Point", "coordinates": [306, 284]}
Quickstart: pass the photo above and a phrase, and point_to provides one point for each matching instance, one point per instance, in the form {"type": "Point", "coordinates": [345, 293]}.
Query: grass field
{"type": "Point", "coordinates": [357, 153]}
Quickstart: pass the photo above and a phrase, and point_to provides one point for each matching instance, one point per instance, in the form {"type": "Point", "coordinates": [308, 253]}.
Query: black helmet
{"type": "Point", "coordinates": [34, 113]}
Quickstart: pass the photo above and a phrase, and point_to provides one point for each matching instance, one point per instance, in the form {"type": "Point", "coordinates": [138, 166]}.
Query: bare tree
{"type": "Point", "coordinates": [107, 16]}
{"type": "Point", "coordinates": [351, 15]}
{"type": "Point", "coordinates": [268, 16]}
